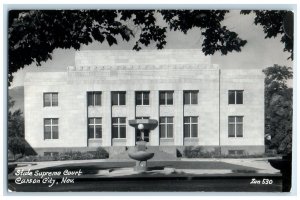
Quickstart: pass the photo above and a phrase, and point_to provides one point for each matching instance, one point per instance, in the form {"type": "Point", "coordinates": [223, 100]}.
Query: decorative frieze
{"type": "Point", "coordinates": [140, 67]}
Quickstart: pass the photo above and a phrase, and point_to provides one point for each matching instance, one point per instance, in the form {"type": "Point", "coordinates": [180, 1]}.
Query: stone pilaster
{"type": "Point", "coordinates": [130, 108]}
{"type": "Point", "coordinates": [154, 103]}
{"type": "Point", "coordinates": [106, 120]}
{"type": "Point", "coordinates": [178, 118]}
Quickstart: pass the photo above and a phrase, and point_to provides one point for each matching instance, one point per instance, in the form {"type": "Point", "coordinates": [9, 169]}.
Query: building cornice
{"type": "Point", "coordinates": [142, 67]}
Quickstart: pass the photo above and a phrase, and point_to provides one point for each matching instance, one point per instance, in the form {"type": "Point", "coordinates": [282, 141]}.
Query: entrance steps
{"type": "Point", "coordinates": [160, 153]}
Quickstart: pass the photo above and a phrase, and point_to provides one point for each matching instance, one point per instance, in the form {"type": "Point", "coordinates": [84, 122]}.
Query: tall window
{"type": "Point", "coordinates": [119, 127]}
{"type": "Point", "coordinates": [95, 128]}
{"type": "Point", "coordinates": [190, 127]}
{"type": "Point", "coordinates": [190, 97]}
{"type": "Point", "coordinates": [235, 96]}
{"type": "Point", "coordinates": [235, 126]}
{"type": "Point", "coordinates": [118, 98]}
{"type": "Point", "coordinates": [166, 98]}
{"type": "Point", "coordinates": [51, 128]}
{"type": "Point", "coordinates": [50, 99]}
{"type": "Point", "coordinates": [142, 98]}
{"type": "Point", "coordinates": [166, 127]}
{"type": "Point", "coordinates": [94, 98]}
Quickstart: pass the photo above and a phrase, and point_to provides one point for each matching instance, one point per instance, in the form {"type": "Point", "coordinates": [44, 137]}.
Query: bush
{"type": "Point", "coordinates": [71, 155]}
{"type": "Point", "coordinates": [198, 152]}
{"type": "Point", "coordinates": [76, 155]}
{"type": "Point", "coordinates": [87, 156]}
{"type": "Point", "coordinates": [36, 158]}
{"type": "Point", "coordinates": [178, 154]}
{"type": "Point", "coordinates": [16, 145]}
{"type": "Point", "coordinates": [190, 152]}
{"type": "Point", "coordinates": [101, 153]}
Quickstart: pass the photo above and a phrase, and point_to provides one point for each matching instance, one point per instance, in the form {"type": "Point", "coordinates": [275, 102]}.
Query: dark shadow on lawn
{"type": "Point", "coordinates": [243, 171]}
{"type": "Point", "coordinates": [156, 168]}
{"type": "Point", "coordinates": [200, 165]}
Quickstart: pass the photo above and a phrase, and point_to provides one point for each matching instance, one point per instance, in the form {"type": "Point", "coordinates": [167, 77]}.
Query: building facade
{"type": "Point", "coordinates": [195, 103]}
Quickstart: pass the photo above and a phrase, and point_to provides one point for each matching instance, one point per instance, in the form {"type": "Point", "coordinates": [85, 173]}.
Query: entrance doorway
{"type": "Point", "coordinates": [138, 135]}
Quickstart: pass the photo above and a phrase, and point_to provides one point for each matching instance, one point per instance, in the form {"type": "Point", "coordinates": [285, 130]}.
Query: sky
{"type": "Point", "coordinates": [258, 53]}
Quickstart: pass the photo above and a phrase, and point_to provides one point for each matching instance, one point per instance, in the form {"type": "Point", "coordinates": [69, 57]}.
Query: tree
{"type": "Point", "coordinates": [15, 121]}
{"type": "Point", "coordinates": [17, 146]}
{"type": "Point", "coordinates": [34, 34]}
{"type": "Point", "coordinates": [279, 107]}
{"type": "Point", "coordinates": [274, 23]}
{"type": "Point", "coordinates": [16, 141]}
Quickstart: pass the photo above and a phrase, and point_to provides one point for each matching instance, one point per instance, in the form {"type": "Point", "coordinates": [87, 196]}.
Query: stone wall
{"type": "Point", "coordinates": [252, 109]}
{"type": "Point", "coordinates": [166, 72]}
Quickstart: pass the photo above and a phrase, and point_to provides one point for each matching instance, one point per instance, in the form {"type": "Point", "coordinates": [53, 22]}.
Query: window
{"type": "Point", "coordinates": [51, 128]}
{"type": "Point", "coordinates": [118, 98]}
{"type": "Point", "coordinates": [94, 98]}
{"type": "Point", "coordinates": [118, 127]}
{"type": "Point", "coordinates": [95, 128]}
{"type": "Point", "coordinates": [50, 99]}
{"type": "Point", "coordinates": [235, 96]}
{"type": "Point", "coordinates": [166, 98]}
{"type": "Point", "coordinates": [142, 98]}
{"type": "Point", "coordinates": [190, 97]}
{"type": "Point", "coordinates": [190, 127]}
{"type": "Point", "coordinates": [166, 127]}
{"type": "Point", "coordinates": [235, 126]}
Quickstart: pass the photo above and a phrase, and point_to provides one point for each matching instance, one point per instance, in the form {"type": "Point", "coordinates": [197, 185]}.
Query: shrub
{"type": "Point", "coordinates": [36, 158]}
{"type": "Point", "coordinates": [199, 152]}
{"type": "Point", "coordinates": [16, 145]}
{"type": "Point", "coordinates": [178, 154]}
{"type": "Point", "coordinates": [192, 152]}
{"type": "Point", "coordinates": [71, 155]}
{"type": "Point", "coordinates": [101, 153]}
{"type": "Point", "coordinates": [64, 156]}
{"type": "Point", "coordinates": [76, 155]}
{"type": "Point", "coordinates": [87, 156]}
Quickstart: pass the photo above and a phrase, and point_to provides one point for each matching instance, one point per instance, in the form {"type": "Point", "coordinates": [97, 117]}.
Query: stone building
{"type": "Point", "coordinates": [194, 102]}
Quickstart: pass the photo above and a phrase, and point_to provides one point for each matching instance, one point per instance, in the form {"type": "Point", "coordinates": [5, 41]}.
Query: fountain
{"type": "Point", "coordinates": [140, 155]}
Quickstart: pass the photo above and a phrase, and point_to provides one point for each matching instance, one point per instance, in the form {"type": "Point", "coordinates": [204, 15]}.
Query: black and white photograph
{"type": "Point", "coordinates": [149, 100]}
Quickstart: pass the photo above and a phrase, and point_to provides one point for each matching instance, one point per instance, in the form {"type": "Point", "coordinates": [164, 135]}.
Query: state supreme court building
{"type": "Point", "coordinates": [195, 103]}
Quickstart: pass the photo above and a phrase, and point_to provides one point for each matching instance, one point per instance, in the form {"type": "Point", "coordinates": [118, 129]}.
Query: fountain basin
{"type": "Point", "coordinates": [140, 155]}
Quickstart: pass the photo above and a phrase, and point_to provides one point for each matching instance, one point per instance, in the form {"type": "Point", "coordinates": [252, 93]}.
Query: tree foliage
{"type": "Point", "coordinates": [272, 22]}
{"type": "Point", "coordinates": [16, 141]}
{"type": "Point", "coordinates": [17, 145]}
{"type": "Point", "coordinates": [279, 107]}
{"type": "Point", "coordinates": [34, 34]}
{"type": "Point", "coordinates": [15, 121]}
